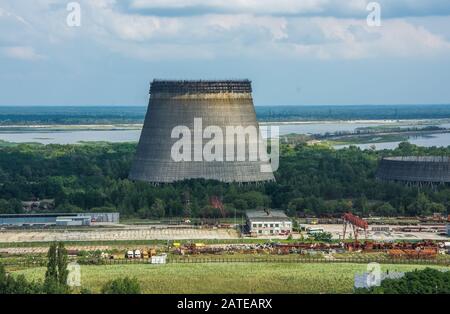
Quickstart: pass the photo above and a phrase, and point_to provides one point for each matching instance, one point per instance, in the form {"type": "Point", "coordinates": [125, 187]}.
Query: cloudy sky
{"type": "Point", "coordinates": [296, 52]}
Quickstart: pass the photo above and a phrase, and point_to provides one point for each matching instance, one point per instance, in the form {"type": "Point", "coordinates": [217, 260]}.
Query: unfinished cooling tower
{"type": "Point", "coordinates": [415, 169]}
{"type": "Point", "coordinates": [174, 104]}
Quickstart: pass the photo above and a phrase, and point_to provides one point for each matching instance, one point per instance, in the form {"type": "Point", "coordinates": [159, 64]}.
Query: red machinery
{"type": "Point", "coordinates": [357, 224]}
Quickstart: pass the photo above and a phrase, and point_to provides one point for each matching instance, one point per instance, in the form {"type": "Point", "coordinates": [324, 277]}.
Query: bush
{"type": "Point", "coordinates": [122, 286]}
{"type": "Point", "coordinates": [18, 285]}
{"type": "Point", "coordinates": [426, 281]}
{"type": "Point", "coordinates": [55, 276]}
{"type": "Point", "coordinates": [323, 237]}
{"type": "Point", "coordinates": [85, 291]}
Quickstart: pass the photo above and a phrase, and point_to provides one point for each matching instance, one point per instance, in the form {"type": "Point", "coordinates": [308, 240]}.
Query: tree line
{"type": "Point", "coordinates": [311, 181]}
{"type": "Point", "coordinates": [426, 281]}
{"type": "Point", "coordinates": [56, 279]}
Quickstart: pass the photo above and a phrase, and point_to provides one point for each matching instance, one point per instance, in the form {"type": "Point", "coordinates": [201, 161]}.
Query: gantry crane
{"type": "Point", "coordinates": [357, 224]}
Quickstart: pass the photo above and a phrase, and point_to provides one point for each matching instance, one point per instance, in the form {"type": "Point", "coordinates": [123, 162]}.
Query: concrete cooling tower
{"type": "Point", "coordinates": [415, 169]}
{"type": "Point", "coordinates": [183, 104]}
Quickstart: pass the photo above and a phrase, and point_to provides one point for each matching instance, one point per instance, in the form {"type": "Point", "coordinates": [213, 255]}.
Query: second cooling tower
{"type": "Point", "coordinates": [194, 106]}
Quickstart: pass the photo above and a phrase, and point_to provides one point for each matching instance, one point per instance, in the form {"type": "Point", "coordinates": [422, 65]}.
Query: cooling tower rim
{"type": "Point", "coordinates": [201, 81]}
{"type": "Point", "coordinates": [195, 87]}
{"type": "Point", "coordinates": [422, 159]}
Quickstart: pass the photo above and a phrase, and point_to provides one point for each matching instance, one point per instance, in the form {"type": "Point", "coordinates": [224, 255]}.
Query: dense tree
{"type": "Point", "coordinates": [323, 237]}
{"type": "Point", "coordinates": [18, 284]}
{"type": "Point", "coordinates": [55, 277]}
{"type": "Point", "coordinates": [158, 208]}
{"type": "Point", "coordinates": [311, 180]}
{"type": "Point", "coordinates": [56, 274]}
{"type": "Point", "coordinates": [51, 275]}
{"type": "Point", "coordinates": [122, 286]}
{"type": "Point", "coordinates": [62, 264]}
{"type": "Point", "coordinates": [385, 209]}
{"type": "Point", "coordinates": [426, 281]}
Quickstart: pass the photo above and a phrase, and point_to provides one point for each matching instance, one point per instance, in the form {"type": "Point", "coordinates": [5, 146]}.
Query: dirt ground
{"type": "Point", "coordinates": [161, 232]}
{"type": "Point", "coordinates": [129, 233]}
{"type": "Point", "coordinates": [44, 249]}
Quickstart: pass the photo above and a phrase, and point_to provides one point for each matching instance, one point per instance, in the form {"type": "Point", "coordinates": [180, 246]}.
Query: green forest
{"type": "Point", "coordinates": [426, 281]}
{"type": "Point", "coordinates": [311, 181]}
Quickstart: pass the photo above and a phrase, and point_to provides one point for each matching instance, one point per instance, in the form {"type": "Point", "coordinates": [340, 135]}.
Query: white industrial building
{"type": "Point", "coordinates": [73, 220]}
{"type": "Point", "coordinates": [268, 222]}
{"type": "Point", "coordinates": [60, 219]}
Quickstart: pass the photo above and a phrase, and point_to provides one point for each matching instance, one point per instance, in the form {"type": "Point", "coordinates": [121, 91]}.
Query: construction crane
{"type": "Point", "coordinates": [357, 224]}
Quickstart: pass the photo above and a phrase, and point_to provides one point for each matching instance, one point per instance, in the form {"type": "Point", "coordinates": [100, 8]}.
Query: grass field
{"type": "Point", "coordinates": [227, 278]}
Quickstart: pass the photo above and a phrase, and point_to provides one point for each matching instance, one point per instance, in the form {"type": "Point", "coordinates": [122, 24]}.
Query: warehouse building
{"type": "Point", "coordinates": [268, 222]}
{"type": "Point", "coordinates": [73, 221]}
{"type": "Point", "coordinates": [60, 219]}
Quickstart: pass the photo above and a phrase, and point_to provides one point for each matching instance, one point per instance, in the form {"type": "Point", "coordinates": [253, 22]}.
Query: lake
{"type": "Point", "coordinates": [438, 140]}
{"type": "Point", "coordinates": [73, 136]}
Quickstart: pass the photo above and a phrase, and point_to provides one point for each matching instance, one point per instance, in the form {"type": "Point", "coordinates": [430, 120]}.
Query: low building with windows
{"type": "Point", "coordinates": [73, 221]}
{"type": "Point", "coordinates": [60, 219]}
{"type": "Point", "coordinates": [268, 222]}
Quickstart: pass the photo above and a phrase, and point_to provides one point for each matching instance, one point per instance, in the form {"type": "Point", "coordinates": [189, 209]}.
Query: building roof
{"type": "Point", "coordinates": [272, 215]}
{"type": "Point", "coordinates": [54, 215]}
{"type": "Point", "coordinates": [445, 159]}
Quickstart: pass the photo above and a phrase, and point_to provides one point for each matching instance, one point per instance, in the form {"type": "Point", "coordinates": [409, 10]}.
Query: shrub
{"type": "Point", "coordinates": [426, 281]}
{"type": "Point", "coordinates": [122, 286]}
{"type": "Point", "coordinates": [18, 285]}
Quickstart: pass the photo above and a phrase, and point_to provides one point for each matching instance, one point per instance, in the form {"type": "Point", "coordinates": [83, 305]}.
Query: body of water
{"type": "Point", "coordinates": [71, 137]}
{"type": "Point", "coordinates": [438, 140]}
{"type": "Point", "coordinates": [132, 135]}
{"type": "Point", "coordinates": [323, 127]}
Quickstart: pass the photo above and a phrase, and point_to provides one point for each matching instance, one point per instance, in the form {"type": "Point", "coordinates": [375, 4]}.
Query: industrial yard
{"type": "Point", "coordinates": [220, 259]}
{"type": "Point", "coordinates": [395, 232]}
{"type": "Point", "coordinates": [161, 232]}
{"type": "Point", "coordinates": [212, 244]}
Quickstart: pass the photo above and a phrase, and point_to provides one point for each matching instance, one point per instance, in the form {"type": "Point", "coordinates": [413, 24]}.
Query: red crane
{"type": "Point", "coordinates": [357, 224]}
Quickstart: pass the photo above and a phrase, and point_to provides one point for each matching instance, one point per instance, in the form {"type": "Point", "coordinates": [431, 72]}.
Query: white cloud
{"type": "Point", "coordinates": [353, 39]}
{"type": "Point", "coordinates": [22, 53]}
{"type": "Point", "coordinates": [336, 8]}
{"type": "Point", "coordinates": [242, 6]}
{"type": "Point", "coordinates": [6, 14]}
{"type": "Point", "coordinates": [257, 28]}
